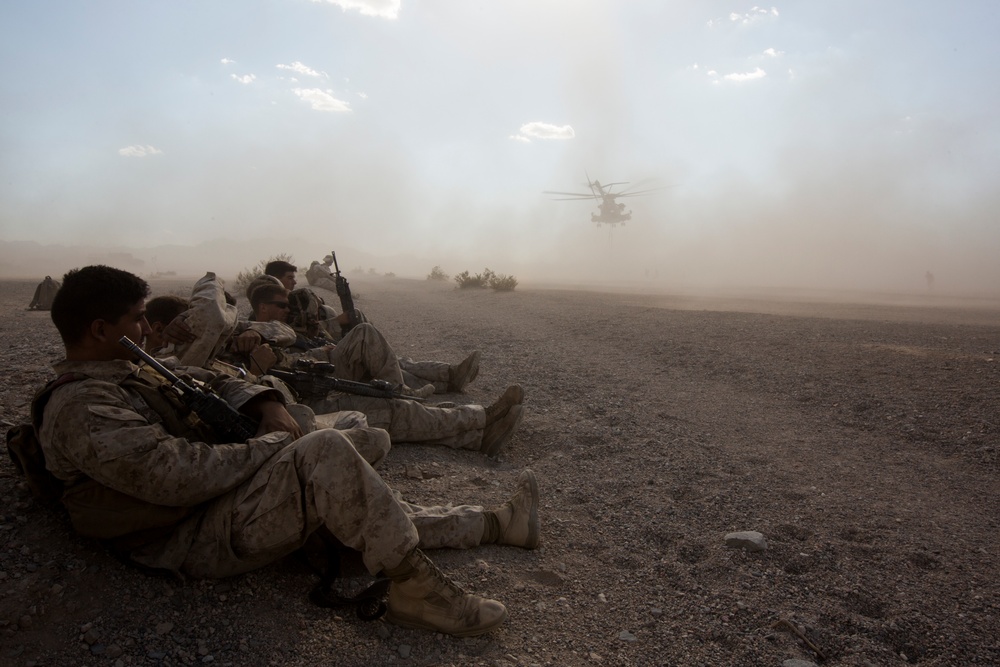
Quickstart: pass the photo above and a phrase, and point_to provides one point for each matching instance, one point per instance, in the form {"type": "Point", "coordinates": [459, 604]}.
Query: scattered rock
{"type": "Point", "coordinates": [750, 540]}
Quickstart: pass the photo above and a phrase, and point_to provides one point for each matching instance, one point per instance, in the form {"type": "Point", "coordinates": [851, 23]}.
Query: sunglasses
{"type": "Point", "coordinates": [280, 304]}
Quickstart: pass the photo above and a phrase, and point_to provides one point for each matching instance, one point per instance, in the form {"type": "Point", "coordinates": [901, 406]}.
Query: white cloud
{"type": "Point", "coordinates": [772, 53]}
{"type": "Point", "coordinates": [546, 131]}
{"type": "Point", "coordinates": [248, 79]}
{"type": "Point", "coordinates": [363, 96]}
{"type": "Point", "coordinates": [302, 69]}
{"type": "Point", "coordinates": [322, 100]}
{"type": "Point", "coordinates": [227, 61]}
{"type": "Point", "coordinates": [755, 14]}
{"type": "Point", "coordinates": [520, 137]}
{"type": "Point", "coordinates": [139, 151]}
{"type": "Point", "coordinates": [386, 9]}
{"type": "Point", "coordinates": [746, 76]}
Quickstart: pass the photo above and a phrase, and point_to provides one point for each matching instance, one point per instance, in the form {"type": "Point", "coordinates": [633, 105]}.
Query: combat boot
{"type": "Point", "coordinates": [497, 434]}
{"type": "Point", "coordinates": [516, 521]}
{"type": "Point", "coordinates": [421, 596]}
{"type": "Point", "coordinates": [425, 391]}
{"type": "Point", "coordinates": [464, 373]}
{"type": "Point", "coordinates": [513, 395]}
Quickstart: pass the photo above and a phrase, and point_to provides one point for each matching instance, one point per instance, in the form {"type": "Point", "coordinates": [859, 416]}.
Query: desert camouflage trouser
{"type": "Point", "coordinates": [418, 373]}
{"type": "Point", "coordinates": [364, 354]}
{"type": "Point", "coordinates": [321, 480]}
{"type": "Point", "coordinates": [460, 427]}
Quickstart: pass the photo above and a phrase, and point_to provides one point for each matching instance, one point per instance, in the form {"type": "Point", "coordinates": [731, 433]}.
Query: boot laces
{"type": "Point", "coordinates": [436, 572]}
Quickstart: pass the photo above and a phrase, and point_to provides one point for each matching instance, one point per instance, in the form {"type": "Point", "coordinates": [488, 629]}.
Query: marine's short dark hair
{"type": "Point", "coordinates": [165, 308]}
{"type": "Point", "coordinates": [95, 292]}
{"type": "Point", "coordinates": [278, 268]}
{"type": "Point", "coordinates": [266, 292]}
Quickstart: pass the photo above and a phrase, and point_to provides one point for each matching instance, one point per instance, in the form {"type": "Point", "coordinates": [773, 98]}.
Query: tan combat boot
{"type": "Point", "coordinates": [516, 521]}
{"type": "Point", "coordinates": [421, 596]}
{"type": "Point", "coordinates": [464, 373]}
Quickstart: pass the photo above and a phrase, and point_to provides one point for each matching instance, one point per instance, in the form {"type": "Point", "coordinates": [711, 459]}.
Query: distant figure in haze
{"type": "Point", "coordinates": [44, 293]}
{"type": "Point", "coordinates": [930, 280]}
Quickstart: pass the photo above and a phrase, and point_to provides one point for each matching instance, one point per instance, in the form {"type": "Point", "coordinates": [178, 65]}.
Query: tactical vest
{"type": "Point", "coordinates": [101, 512]}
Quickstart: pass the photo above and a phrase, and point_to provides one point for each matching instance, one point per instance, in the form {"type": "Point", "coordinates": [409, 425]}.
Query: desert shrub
{"type": "Point", "coordinates": [467, 281]}
{"type": "Point", "coordinates": [389, 274]}
{"type": "Point", "coordinates": [437, 274]}
{"type": "Point", "coordinates": [372, 271]}
{"type": "Point", "coordinates": [488, 278]}
{"type": "Point", "coordinates": [503, 283]}
{"type": "Point", "coordinates": [248, 275]}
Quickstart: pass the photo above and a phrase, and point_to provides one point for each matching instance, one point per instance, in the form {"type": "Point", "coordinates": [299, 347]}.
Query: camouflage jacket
{"type": "Point", "coordinates": [145, 489]}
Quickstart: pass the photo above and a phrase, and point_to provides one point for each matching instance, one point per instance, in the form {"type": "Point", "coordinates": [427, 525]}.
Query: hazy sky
{"type": "Point", "coordinates": [847, 143]}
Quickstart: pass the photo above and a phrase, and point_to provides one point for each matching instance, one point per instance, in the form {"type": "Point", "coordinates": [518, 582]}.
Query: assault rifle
{"type": "Point", "coordinates": [229, 424]}
{"type": "Point", "coordinates": [346, 300]}
{"type": "Point", "coordinates": [314, 379]}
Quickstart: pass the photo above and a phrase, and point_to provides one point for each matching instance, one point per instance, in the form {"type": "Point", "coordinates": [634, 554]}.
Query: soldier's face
{"type": "Point", "coordinates": [132, 324]}
{"type": "Point", "coordinates": [288, 280]}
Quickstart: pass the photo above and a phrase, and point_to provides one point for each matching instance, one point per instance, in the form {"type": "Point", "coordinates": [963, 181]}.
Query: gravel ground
{"type": "Point", "coordinates": [861, 440]}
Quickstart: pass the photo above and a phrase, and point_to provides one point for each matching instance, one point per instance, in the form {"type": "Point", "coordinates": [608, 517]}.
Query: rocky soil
{"type": "Point", "coordinates": [861, 440]}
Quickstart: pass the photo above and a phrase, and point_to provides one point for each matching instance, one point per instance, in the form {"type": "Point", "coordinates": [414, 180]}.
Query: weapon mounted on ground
{"type": "Point", "coordinates": [229, 424]}
{"type": "Point", "coordinates": [314, 380]}
{"type": "Point", "coordinates": [346, 300]}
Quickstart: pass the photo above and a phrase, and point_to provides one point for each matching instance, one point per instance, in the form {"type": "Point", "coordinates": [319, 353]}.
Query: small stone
{"type": "Point", "coordinates": [594, 657]}
{"type": "Point", "coordinates": [750, 540]}
{"type": "Point", "coordinates": [627, 636]}
{"type": "Point", "coordinates": [24, 622]}
{"type": "Point", "coordinates": [113, 651]}
{"type": "Point", "coordinates": [601, 597]}
{"type": "Point", "coordinates": [164, 628]}
{"type": "Point", "coordinates": [404, 651]}
{"type": "Point", "coordinates": [91, 637]}
{"type": "Point", "coordinates": [795, 662]}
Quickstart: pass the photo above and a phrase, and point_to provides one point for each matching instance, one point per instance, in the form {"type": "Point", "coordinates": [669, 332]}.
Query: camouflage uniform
{"type": "Point", "coordinates": [364, 354]}
{"type": "Point", "coordinates": [319, 275]}
{"type": "Point", "coordinates": [217, 510]}
{"type": "Point", "coordinates": [419, 373]}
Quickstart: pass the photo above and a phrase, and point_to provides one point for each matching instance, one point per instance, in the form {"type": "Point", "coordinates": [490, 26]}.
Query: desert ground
{"type": "Point", "coordinates": [859, 438]}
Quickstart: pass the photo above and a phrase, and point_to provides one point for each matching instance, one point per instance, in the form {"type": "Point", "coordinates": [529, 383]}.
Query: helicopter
{"type": "Point", "coordinates": [610, 212]}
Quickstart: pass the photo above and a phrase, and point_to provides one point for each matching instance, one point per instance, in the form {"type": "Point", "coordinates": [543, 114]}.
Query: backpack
{"type": "Point", "coordinates": [25, 450]}
{"type": "Point", "coordinates": [306, 312]}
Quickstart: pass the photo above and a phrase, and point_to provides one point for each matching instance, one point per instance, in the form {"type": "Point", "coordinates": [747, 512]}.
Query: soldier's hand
{"type": "Point", "coordinates": [274, 417]}
{"type": "Point", "coordinates": [261, 359]}
{"type": "Point", "coordinates": [178, 332]}
{"type": "Point", "coordinates": [246, 342]}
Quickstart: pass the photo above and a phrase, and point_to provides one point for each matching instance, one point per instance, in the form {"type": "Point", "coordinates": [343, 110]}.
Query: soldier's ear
{"type": "Point", "coordinates": [98, 329]}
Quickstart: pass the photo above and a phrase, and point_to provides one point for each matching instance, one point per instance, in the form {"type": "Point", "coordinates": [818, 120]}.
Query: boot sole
{"type": "Point", "coordinates": [498, 444]}
{"type": "Point", "coordinates": [533, 527]}
{"type": "Point", "coordinates": [418, 624]}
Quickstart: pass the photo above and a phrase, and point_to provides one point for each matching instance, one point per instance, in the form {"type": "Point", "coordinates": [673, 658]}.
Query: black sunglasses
{"type": "Point", "coordinates": [279, 304]}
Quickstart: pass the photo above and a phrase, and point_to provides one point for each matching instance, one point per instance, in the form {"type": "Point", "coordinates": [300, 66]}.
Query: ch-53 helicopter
{"type": "Point", "coordinates": [609, 212]}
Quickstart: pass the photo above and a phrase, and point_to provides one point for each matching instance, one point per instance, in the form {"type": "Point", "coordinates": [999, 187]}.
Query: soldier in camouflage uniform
{"type": "Point", "coordinates": [363, 355]}
{"type": "Point", "coordinates": [142, 476]}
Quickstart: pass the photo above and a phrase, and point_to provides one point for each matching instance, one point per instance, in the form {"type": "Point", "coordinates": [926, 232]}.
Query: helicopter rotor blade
{"type": "Point", "coordinates": [569, 194]}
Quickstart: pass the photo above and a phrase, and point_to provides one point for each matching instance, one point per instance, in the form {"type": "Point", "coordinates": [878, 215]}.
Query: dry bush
{"type": "Point", "coordinates": [503, 283]}
{"type": "Point", "coordinates": [437, 274]}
